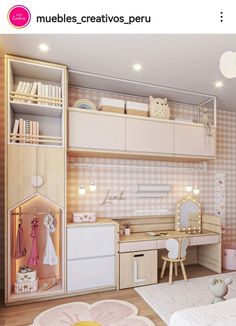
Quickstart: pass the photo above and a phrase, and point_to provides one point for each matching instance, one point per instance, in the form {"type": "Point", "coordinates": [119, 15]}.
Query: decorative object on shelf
{"type": "Point", "coordinates": [26, 280]}
{"type": "Point", "coordinates": [219, 288]}
{"type": "Point", "coordinates": [206, 122]}
{"type": "Point", "coordinates": [111, 105]}
{"type": "Point", "coordinates": [26, 274]}
{"type": "Point", "coordinates": [49, 284]}
{"type": "Point", "coordinates": [37, 93]}
{"type": "Point", "coordinates": [26, 287]}
{"type": "Point", "coordinates": [85, 104]}
{"type": "Point", "coordinates": [136, 108]}
{"type": "Point", "coordinates": [20, 249]}
{"type": "Point", "coordinates": [109, 198]}
{"type": "Point", "coordinates": [80, 217]}
{"type": "Point", "coordinates": [80, 313]}
{"type": "Point", "coordinates": [127, 228]}
{"type": "Point", "coordinates": [50, 257]}
{"type": "Point", "coordinates": [34, 257]}
{"type": "Point", "coordinates": [188, 215]}
{"type": "Point", "coordinates": [121, 230]}
{"type": "Point", "coordinates": [220, 196]}
{"type": "Point", "coordinates": [158, 108]}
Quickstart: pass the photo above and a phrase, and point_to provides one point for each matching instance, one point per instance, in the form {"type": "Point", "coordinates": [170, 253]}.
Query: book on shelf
{"type": "Point", "coordinates": [47, 94]}
{"type": "Point", "coordinates": [15, 130]}
{"type": "Point", "coordinates": [25, 131]}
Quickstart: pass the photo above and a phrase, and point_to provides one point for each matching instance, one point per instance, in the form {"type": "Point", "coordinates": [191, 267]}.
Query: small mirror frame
{"type": "Point", "coordinates": [177, 215]}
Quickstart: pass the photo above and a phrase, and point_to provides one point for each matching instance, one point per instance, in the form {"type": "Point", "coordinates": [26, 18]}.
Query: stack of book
{"type": "Point", "coordinates": [25, 131]}
{"type": "Point", "coordinates": [38, 92]}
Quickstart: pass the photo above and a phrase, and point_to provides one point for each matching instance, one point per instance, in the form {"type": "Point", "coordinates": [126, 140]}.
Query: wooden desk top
{"type": "Point", "coordinates": [142, 236]}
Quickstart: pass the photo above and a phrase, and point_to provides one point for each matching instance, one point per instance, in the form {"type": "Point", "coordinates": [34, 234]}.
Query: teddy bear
{"type": "Point", "coordinates": [158, 108]}
{"type": "Point", "coordinates": [219, 288]}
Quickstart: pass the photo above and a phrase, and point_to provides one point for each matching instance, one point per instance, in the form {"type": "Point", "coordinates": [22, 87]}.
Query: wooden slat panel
{"type": "Point", "coordinates": [145, 224]}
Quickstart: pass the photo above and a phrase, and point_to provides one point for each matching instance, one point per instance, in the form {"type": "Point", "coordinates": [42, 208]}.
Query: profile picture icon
{"type": "Point", "coordinates": [19, 16]}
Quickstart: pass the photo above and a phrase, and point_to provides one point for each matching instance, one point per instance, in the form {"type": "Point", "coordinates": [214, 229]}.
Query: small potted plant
{"type": "Point", "coordinates": [127, 228]}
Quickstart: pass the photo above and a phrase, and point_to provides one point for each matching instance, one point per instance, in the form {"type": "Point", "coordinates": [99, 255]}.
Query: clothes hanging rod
{"type": "Point", "coordinates": [130, 81]}
{"type": "Point", "coordinates": [123, 166]}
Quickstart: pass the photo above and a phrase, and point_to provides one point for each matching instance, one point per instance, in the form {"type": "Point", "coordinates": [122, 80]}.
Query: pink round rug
{"type": "Point", "coordinates": [101, 313]}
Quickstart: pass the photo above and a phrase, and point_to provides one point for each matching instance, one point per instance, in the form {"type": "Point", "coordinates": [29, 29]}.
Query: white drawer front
{"type": "Point", "coordinates": [90, 273]}
{"type": "Point", "coordinates": [90, 241]}
{"type": "Point", "coordinates": [136, 246]}
{"type": "Point", "coordinates": [194, 241]}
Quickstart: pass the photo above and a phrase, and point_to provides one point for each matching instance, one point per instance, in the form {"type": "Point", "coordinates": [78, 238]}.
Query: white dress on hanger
{"type": "Point", "coordinates": [50, 257]}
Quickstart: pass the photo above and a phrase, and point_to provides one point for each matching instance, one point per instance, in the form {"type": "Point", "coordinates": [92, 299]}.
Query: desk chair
{"type": "Point", "coordinates": [177, 249]}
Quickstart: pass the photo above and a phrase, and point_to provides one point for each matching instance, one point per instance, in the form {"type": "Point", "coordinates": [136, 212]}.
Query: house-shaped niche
{"type": "Point", "coordinates": [38, 206]}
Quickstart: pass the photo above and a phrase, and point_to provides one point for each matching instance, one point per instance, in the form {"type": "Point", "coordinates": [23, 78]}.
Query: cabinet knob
{"type": "Point", "coordinates": [36, 181]}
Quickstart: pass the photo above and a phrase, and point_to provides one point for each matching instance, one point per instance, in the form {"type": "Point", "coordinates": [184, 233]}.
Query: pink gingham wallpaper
{"type": "Point", "coordinates": [117, 180]}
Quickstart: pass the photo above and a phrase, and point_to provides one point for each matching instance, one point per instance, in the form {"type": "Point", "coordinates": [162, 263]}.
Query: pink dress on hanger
{"type": "Point", "coordinates": [20, 249]}
{"type": "Point", "coordinates": [34, 256]}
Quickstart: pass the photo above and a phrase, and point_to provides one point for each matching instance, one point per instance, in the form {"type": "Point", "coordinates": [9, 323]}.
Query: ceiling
{"type": "Point", "coordinates": [187, 62]}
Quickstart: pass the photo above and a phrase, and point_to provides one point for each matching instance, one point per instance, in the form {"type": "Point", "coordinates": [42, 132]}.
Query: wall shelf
{"type": "Point", "coordinates": [36, 109]}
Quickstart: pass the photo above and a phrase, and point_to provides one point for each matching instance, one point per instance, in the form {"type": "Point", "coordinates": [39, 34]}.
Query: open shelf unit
{"type": "Point", "coordinates": [36, 102]}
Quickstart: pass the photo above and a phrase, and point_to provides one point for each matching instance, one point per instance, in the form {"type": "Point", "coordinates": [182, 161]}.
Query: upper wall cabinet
{"type": "Point", "coordinates": [99, 133]}
{"type": "Point", "coordinates": [95, 131]}
{"type": "Point", "coordinates": [149, 136]}
{"type": "Point", "coordinates": [194, 140]}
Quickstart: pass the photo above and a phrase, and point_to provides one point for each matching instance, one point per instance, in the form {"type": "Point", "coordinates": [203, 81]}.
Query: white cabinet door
{"type": "Point", "coordinates": [194, 141]}
{"type": "Point", "coordinates": [90, 241]}
{"type": "Point", "coordinates": [149, 136]}
{"type": "Point", "coordinates": [90, 273]}
{"type": "Point", "coordinates": [94, 131]}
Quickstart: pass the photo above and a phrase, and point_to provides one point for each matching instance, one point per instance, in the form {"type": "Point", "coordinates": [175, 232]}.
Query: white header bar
{"type": "Point", "coordinates": [121, 16]}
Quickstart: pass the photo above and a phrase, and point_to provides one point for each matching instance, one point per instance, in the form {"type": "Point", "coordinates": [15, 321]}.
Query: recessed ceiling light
{"type": "Point", "coordinates": [219, 84]}
{"type": "Point", "coordinates": [43, 47]}
{"type": "Point", "coordinates": [137, 67]}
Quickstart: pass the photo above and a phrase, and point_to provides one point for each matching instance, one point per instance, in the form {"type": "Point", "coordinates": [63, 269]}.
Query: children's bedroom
{"type": "Point", "coordinates": [118, 180]}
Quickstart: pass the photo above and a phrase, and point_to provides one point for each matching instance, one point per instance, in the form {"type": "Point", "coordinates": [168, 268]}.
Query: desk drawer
{"type": "Point", "coordinates": [136, 246]}
{"type": "Point", "coordinates": [202, 240]}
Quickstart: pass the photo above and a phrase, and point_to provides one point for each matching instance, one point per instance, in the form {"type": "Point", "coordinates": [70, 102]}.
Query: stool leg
{"type": "Point", "coordinates": [183, 271]}
{"type": "Point", "coordinates": [170, 272]}
{"type": "Point", "coordinates": [176, 268]}
{"type": "Point", "coordinates": [163, 269]}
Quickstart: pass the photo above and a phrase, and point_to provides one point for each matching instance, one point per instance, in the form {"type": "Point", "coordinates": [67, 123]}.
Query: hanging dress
{"type": "Point", "coordinates": [34, 256]}
{"type": "Point", "coordinates": [50, 257]}
{"type": "Point", "coordinates": [20, 250]}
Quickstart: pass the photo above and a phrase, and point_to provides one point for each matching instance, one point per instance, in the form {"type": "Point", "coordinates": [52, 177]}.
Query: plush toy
{"type": "Point", "coordinates": [219, 289]}
{"type": "Point", "coordinates": [158, 108]}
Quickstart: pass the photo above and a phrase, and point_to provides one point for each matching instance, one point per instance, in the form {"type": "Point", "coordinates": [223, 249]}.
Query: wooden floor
{"type": "Point", "coordinates": [23, 315]}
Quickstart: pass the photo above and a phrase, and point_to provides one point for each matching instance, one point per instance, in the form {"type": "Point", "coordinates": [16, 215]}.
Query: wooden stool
{"type": "Point", "coordinates": [175, 263]}
{"type": "Point", "coordinates": [177, 254]}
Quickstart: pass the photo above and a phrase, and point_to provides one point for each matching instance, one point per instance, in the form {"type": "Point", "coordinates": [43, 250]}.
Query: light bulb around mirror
{"type": "Point", "coordinates": [196, 191]}
{"type": "Point", "coordinates": [189, 188]}
{"type": "Point", "coordinates": [82, 190]}
{"type": "Point", "coordinates": [92, 186]}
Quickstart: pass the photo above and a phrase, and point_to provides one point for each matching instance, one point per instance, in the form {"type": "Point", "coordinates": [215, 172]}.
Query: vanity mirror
{"type": "Point", "coordinates": [188, 215]}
